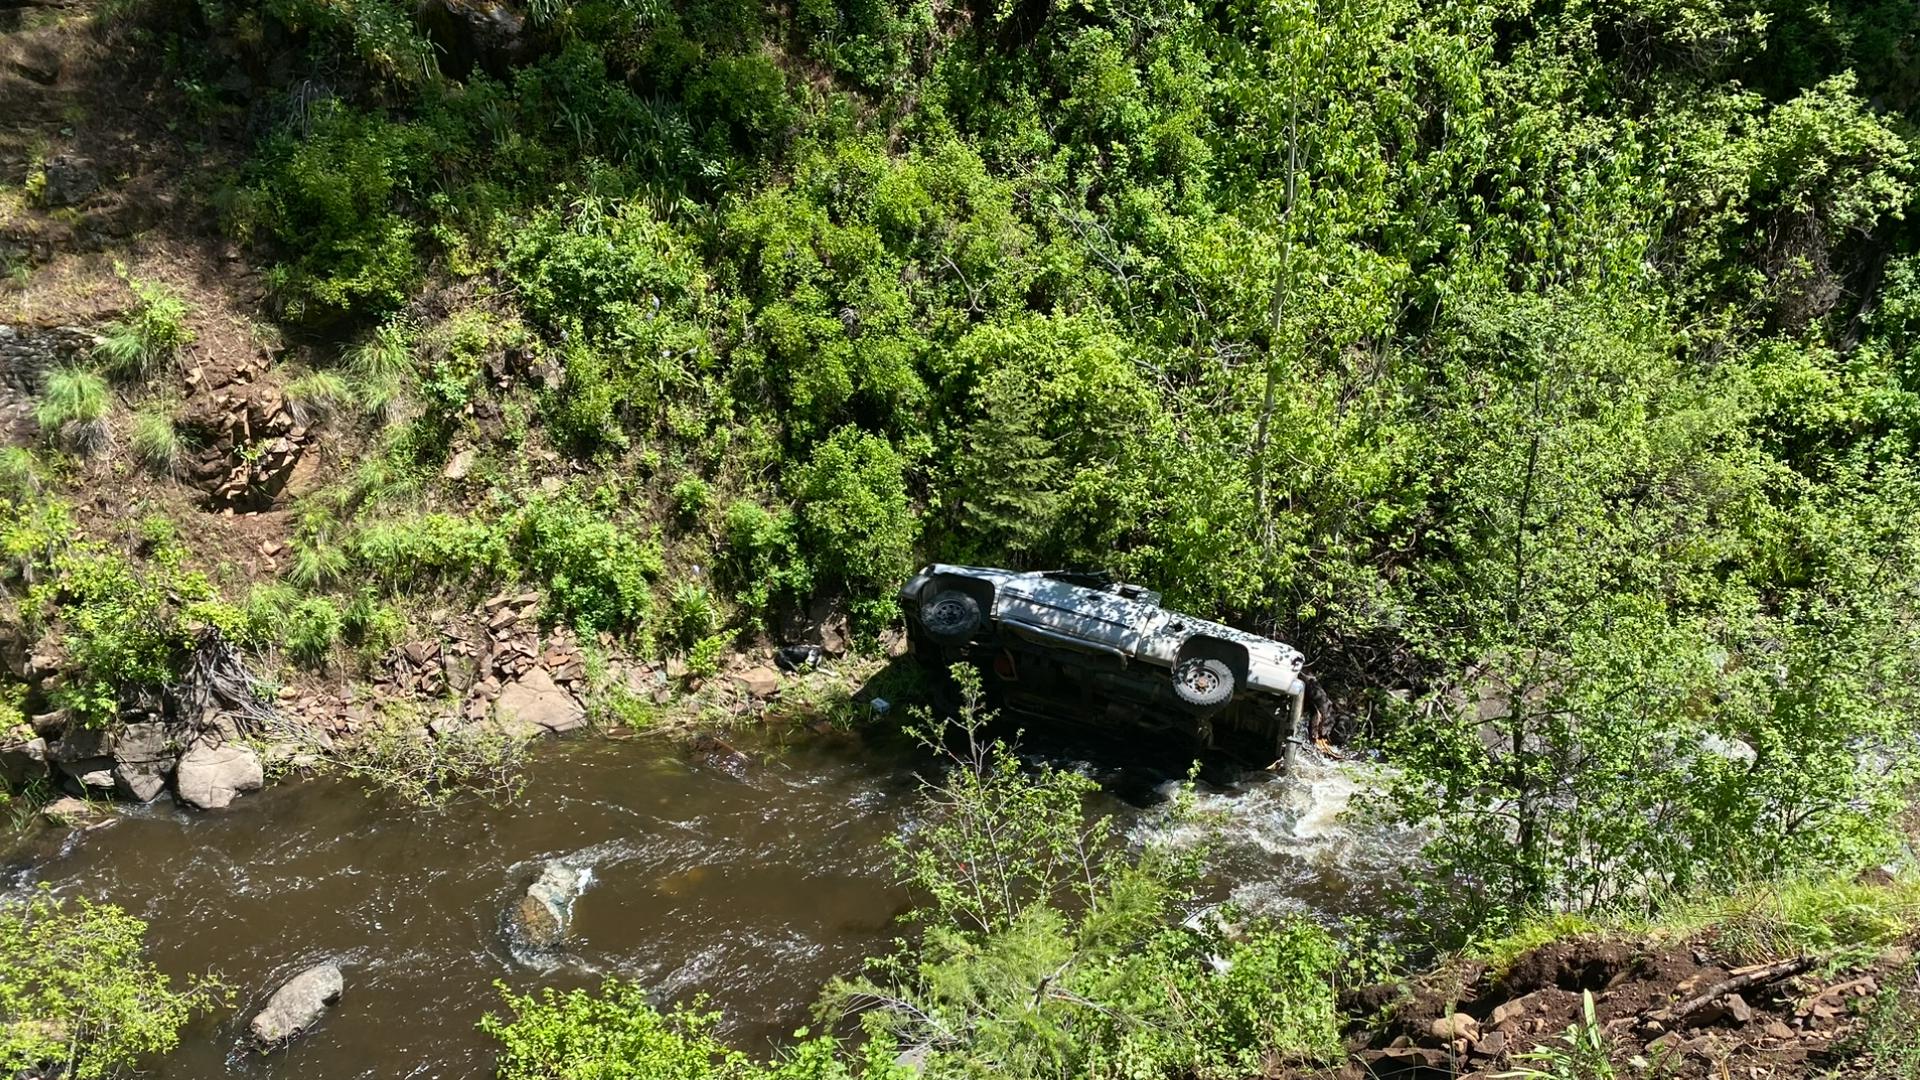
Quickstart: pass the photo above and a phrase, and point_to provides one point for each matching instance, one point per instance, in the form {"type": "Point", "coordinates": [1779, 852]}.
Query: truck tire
{"type": "Point", "coordinates": [951, 617]}
{"type": "Point", "coordinates": [1203, 682]}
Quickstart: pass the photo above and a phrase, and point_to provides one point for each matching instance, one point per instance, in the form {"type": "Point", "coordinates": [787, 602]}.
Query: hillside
{"type": "Point", "coordinates": [382, 384]}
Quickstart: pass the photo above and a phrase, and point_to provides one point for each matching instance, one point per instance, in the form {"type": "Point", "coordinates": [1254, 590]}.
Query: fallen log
{"type": "Point", "coordinates": [1759, 975]}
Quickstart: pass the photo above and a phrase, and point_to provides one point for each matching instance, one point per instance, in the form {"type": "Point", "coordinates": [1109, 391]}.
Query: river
{"type": "Point", "coordinates": [750, 885]}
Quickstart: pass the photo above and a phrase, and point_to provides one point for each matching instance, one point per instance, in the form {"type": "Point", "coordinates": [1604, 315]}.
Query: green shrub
{"type": "Point", "coordinates": [155, 441]}
{"type": "Point", "coordinates": [695, 615]}
{"type": "Point", "coordinates": [763, 564]}
{"type": "Point", "coordinates": [312, 628]}
{"type": "Point", "coordinates": [73, 409]}
{"type": "Point", "coordinates": [151, 334]}
{"type": "Point", "coordinates": [373, 626]}
{"type": "Point", "coordinates": [852, 497]}
{"type": "Point", "coordinates": [329, 199]}
{"type": "Point", "coordinates": [397, 754]}
{"type": "Point", "coordinates": [1051, 950]}
{"type": "Point", "coordinates": [122, 628]}
{"type": "Point", "coordinates": [432, 548]}
{"type": "Point", "coordinates": [596, 573]}
{"type": "Point", "coordinates": [77, 990]}
{"type": "Point", "coordinates": [703, 658]}
{"type": "Point", "coordinates": [691, 497]}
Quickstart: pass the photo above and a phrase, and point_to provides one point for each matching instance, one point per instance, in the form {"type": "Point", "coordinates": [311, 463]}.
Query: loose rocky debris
{"type": "Point", "coordinates": [193, 735]}
{"type": "Point", "coordinates": [244, 442]}
{"type": "Point", "coordinates": [297, 1005]}
{"type": "Point", "coordinates": [1677, 1004]}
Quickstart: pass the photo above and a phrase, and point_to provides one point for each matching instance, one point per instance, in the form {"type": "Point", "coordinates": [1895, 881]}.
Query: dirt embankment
{"type": "Point", "coordinates": [1658, 1009]}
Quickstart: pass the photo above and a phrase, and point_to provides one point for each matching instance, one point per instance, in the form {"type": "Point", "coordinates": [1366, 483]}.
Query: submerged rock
{"type": "Point", "coordinates": [540, 918]}
{"type": "Point", "coordinates": [209, 777]}
{"type": "Point", "coordinates": [298, 1004]}
{"type": "Point", "coordinates": [75, 813]}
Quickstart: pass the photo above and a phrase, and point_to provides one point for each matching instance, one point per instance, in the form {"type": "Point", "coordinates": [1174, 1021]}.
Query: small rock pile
{"type": "Point", "coordinates": [246, 443]}
{"type": "Point", "coordinates": [1678, 1003]}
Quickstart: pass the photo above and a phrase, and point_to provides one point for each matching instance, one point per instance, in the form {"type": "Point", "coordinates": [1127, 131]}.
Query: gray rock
{"type": "Point", "coordinates": [540, 918]}
{"type": "Point", "coordinates": [487, 34]}
{"type": "Point", "coordinates": [298, 1004]}
{"type": "Point", "coordinates": [23, 760]}
{"type": "Point", "coordinates": [94, 774]}
{"type": "Point", "coordinates": [81, 744]}
{"type": "Point", "coordinates": [144, 741]}
{"type": "Point", "coordinates": [534, 699]}
{"type": "Point", "coordinates": [140, 781]}
{"type": "Point", "coordinates": [209, 777]}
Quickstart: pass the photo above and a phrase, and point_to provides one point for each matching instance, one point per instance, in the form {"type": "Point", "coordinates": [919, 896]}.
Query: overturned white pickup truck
{"type": "Point", "coordinates": [1078, 646]}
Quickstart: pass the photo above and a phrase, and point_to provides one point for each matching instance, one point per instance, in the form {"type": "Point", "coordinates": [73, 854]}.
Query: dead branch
{"type": "Point", "coordinates": [1752, 976]}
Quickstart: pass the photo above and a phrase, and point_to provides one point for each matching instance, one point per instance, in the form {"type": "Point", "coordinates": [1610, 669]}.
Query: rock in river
{"type": "Point", "coordinates": [210, 776]}
{"type": "Point", "coordinates": [539, 919]}
{"type": "Point", "coordinates": [298, 1004]}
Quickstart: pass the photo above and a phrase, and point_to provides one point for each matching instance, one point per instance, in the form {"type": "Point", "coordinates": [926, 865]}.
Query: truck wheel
{"type": "Point", "coordinates": [951, 617]}
{"type": "Point", "coordinates": [1203, 681]}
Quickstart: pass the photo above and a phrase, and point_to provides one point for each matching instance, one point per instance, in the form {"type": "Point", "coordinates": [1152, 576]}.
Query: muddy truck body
{"type": "Point", "coordinates": [1062, 646]}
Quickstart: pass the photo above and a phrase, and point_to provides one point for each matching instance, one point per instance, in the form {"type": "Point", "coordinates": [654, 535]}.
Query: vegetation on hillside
{"type": "Point", "coordinates": [1548, 370]}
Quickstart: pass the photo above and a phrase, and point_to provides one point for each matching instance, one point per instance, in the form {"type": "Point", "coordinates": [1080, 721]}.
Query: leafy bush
{"type": "Point", "coordinates": [72, 411]}
{"type": "Point", "coordinates": [431, 548]}
{"type": "Point", "coordinates": [373, 626]}
{"type": "Point", "coordinates": [596, 573]}
{"type": "Point", "coordinates": [311, 629]}
{"type": "Point", "coordinates": [691, 497]}
{"type": "Point", "coordinates": [156, 329]}
{"type": "Point", "coordinates": [703, 658]}
{"type": "Point", "coordinates": [122, 628]}
{"type": "Point", "coordinates": [330, 198]}
{"type": "Point", "coordinates": [852, 497]}
{"type": "Point", "coordinates": [398, 755]}
{"type": "Point", "coordinates": [763, 563]}
{"type": "Point", "coordinates": [1051, 950]}
{"type": "Point", "coordinates": [78, 993]}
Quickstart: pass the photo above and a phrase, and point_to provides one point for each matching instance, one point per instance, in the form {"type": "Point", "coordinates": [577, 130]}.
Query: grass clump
{"type": "Point", "coordinates": [152, 333]}
{"type": "Point", "coordinates": [381, 369]}
{"type": "Point", "coordinates": [156, 441]}
{"type": "Point", "coordinates": [72, 412]}
{"type": "Point", "coordinates": [312, 628]}
{"type": "Point", "coordinates": [318, 397]}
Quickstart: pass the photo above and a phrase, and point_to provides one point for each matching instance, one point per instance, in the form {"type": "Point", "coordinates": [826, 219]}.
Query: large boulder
{"type": "Point", "coordinates": [297, 1005]}
{"type": "Point", "coordinates": [209, 777]}
{"type": "Point", "coordinates": [541, 917]}
{"type": "Point", "coordinates": [534, 700]}
{"type": "Point", "coordinates": [23, 760]}
{"type": "Point", "coordinates": [143, 756]}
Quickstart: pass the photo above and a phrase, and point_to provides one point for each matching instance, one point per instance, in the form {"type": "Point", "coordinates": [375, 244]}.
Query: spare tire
{"type": "Point", "coordinates": [951, 617]}
{"type": "Point", "coordinates": [1203, 681]}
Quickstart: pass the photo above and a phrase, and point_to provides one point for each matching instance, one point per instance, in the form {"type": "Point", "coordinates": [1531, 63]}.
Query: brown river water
{"type": "Point", "coordinates": [753, 886]}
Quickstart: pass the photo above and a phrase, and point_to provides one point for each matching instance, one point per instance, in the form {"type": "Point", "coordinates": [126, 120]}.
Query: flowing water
{"type": "Point", "coordinates": [753, 885]}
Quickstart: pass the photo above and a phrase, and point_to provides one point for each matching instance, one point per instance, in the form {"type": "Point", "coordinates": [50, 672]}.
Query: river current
{"type": "Point", "coordinates": [750, 885]}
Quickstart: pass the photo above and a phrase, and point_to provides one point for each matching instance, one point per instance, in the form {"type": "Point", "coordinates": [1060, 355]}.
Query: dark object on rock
{"type": "Point", "coordinates": [297, 1005]}
{"type": "Point", "coordinates": [797, 657]}
{"type": "Point", "coordinates": [487, 34]}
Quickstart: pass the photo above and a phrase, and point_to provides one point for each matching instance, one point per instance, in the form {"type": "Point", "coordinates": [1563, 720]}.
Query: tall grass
{"type": "Point", "coordinates": [318, 397]}
{"type": "Point", "coordinates": [382, 369]}
{"type": "Point", "coordinates": [73, 410]}
{"type": "Point", "coordinates": [156, 442]}
{"type": "Point", "coordinates": [152, 333]}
